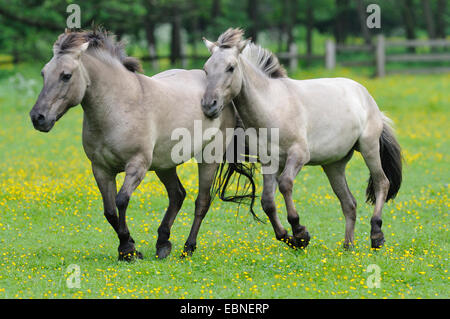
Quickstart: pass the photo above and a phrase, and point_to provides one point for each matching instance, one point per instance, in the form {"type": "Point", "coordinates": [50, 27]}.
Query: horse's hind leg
{"type": "Point", "coordinates": [269, 206]}
{"type": "Point", "coordinates": [176, 194]}
{"type": "Point", "coordinates": [134, 173]}
{"type": "Point", "coordinates": [294, 163]}
{"type": "Point", "coordinates": [336, 175]}
{"type": "Point", "coordinates": [206, 173]}
{"type": "Point", "coordinates": [370, 150]}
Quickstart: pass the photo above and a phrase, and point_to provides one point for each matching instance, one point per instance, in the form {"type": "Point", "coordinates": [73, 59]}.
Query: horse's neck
{"type": "Point", "coordinates": [110, 87]}
{"type": "Point", "coordinates": [251, 102]}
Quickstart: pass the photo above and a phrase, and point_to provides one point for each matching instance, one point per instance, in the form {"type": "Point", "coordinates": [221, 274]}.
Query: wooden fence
{"type": "Point", "coordinates": [379, 57]}
{"type": "Point", "coordinates": [292, 57]}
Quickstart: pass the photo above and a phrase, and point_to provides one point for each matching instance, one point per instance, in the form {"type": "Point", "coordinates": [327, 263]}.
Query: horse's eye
{"type": "Point", "coordinates": [66, 77]}
{"type": "Point", "coordinates": [230, 69]}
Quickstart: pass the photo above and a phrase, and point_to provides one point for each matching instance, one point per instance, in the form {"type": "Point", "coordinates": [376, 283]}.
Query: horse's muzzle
{"type": "Point", "coordinates": [211, 110]}
{"type": "Point", "coordinates": [40, 122]}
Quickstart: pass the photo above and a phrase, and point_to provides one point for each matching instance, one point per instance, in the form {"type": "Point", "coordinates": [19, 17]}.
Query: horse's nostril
{"type": "Point", "coordinates": [37, 118]}
{"type": "Point", "coordinates": [214, 103]}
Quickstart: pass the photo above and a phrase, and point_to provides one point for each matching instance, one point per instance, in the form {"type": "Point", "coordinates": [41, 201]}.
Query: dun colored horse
{"type": "Point", "coordinates": [127, 127]}
{"type": "Point", "coordinates": [320, 122]}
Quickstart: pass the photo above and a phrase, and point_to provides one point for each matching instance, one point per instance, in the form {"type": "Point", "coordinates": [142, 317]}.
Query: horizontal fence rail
{"type": "Point", "coordinates": [418, 57]}
{"type": "Point", "coordinates": [420, 43]}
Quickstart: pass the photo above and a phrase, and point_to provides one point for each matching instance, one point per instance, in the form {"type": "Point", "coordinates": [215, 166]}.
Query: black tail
{"type": "Point", "coordinates": [225, 175]}
{"type": "Point", "coordinates": [391, 162]}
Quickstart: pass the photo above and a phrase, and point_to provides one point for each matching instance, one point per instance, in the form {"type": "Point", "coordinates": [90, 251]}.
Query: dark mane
{"type": "Point", "coordinates": [265, 60]}
{"type": "Point", "coordinates": [98, 38]}
{"type": "Point", "coordinates": [230, 38]}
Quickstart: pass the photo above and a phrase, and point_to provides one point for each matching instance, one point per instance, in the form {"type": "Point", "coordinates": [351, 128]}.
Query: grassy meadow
{"type": "Point", "coordinates": [51, 215]}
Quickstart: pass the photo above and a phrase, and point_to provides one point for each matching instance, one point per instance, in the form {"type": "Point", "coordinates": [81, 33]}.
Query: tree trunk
{"type": "Point", "coordinates": [408, 20]}
{"type": "Point", "coordinates": [280, 36]}
{"type": "Point", "coordinates": [216, 10]}
{"type": "Point", "coordinates": [292, 21]}
{"type": "Point", "coordinates": [193, 33]}
{"type": "Point", "coordinates": [283, 27]}
{"type": "Point", "coordinates": [440, 18]}
{"type": "Point", "coordinates": [289, 16]}
{"type": "Point", "coordinates": [309, 27]}
{"type": "Point", "coordinates": [252, 13]}
{"type": "Point", "coordinates": [341, 25]}
{"type": "Point", "coordinates": [151, 42]}
{"type": "Point", "coordinates": [429, 18]}
{"type": "Point", "coordinates": [150, 26]}
{"type": "Point", "coordinates": [175, 43]}
{"type": "Point", "coordinates": [362, 20]}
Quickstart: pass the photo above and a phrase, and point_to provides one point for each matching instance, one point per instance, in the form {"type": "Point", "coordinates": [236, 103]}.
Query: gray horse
{"type": "Point", "coordinates": [320, 122]}
{"type": "Point", "coordinates": [127, 126]}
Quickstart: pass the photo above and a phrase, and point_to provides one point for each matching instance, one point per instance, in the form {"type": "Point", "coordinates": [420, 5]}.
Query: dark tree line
{"type": "Point", "coordinates": [28, 26]}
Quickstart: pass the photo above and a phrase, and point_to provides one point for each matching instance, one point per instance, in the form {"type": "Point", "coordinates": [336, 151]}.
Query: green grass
{"type": "Point", "coordinates": [51, 215]}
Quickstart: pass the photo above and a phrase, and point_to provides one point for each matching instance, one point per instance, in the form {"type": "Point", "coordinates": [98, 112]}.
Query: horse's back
{"type": "Point", "coordinates": [167, 73]}
{"type": "Point", "coordinates": [168, 90]}
{"type": "Point", "coordinates": [195, 77]}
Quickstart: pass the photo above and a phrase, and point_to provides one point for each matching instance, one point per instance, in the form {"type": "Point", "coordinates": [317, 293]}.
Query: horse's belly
{"type": "Point", "coordinates": [330, 144]}
{"type": "Point", "coordinates": [326, 153]}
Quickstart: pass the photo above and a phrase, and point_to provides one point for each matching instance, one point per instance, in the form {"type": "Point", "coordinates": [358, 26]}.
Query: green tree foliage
{"type": "Point", "coordinates": [29, 27]}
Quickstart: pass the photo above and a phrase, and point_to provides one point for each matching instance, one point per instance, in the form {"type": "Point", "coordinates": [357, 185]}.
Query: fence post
{"type": "Point", "coordinates": [153, 57]}
{"type": "Point", "coordinates": [183, 56]}
{"type": "Point", "coordinates": [293, 52]}
{"type": "Point", "coordinates": [330, 54]}
{"type": "Point", "coordinates": [380, 51]}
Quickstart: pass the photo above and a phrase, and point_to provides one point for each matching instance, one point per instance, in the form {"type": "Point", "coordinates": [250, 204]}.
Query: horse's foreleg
{"type": "Point", "coordinates": [269, 206]}
{"type": "Point", "coordinates": [336, 175]}
{"type": "Point", "coordinates": [106, 183]}
{"type": "Point", "coordinates": [176, 194]}
{"type": "Point", "coordinates": [134, 173]}
{"type": "Point", "coordinates": [294, 163]}
{"type": "Point", "coordinates": [206, 173]}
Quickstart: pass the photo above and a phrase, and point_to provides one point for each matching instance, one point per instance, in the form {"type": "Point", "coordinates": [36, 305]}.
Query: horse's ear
{"type": "Point", "coordinates": [241, 45]}
{"type": "Point", "coordinates": [210, 45]}
{"type": "Point", "coordinates": [84, 46]}
{"type": "Point", "coordinates": [81, 49]}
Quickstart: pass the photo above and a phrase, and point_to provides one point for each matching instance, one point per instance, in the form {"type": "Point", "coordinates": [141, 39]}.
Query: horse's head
{"type": "Point", "coordinates": [223, 74]}
{"type": "Point", "coordinates": [65, 82]}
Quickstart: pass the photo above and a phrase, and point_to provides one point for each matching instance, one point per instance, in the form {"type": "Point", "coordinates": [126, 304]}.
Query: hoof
{"type": "Point", "coordinates": [130, 256]}
{"type": "Point", "coordinates": [298, 242]}
{"type": "Point", "coordinates": [164, 250]}
{"type": "Point", "coordinates": [188, 250]}
{"type": "Point", "coordinates": [377, 243]}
